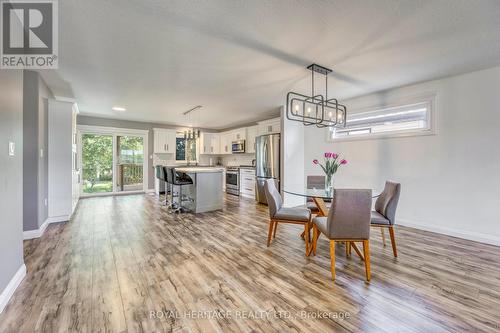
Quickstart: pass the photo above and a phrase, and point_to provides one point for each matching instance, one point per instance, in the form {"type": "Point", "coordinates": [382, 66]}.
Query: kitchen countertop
{"type": "Point", "coordinates": [199, 169]}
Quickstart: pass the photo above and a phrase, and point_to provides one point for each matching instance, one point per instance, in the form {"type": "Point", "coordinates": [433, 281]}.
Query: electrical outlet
{"type": "Point", "coordinates": [12, 148]}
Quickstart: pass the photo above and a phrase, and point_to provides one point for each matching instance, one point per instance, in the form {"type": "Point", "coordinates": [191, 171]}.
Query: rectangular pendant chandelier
{"type": "Point", "coordinates": [317, 109]}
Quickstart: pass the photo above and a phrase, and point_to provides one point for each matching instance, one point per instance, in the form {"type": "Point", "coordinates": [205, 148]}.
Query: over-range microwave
{"type": "Point", "coordinates": [238, 147]}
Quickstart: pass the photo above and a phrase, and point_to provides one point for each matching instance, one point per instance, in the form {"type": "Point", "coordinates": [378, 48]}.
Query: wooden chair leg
{"type": "Point", "coordinates": [393, 241]}
{"type": "Point", "coordinates": [332, 258]}
{"type": "Point", "coordinates": [358, 252]}
{"type": "Point", "coordinates": [348, 249]}
{"type": "Point", "coordinates": [270, 233]}
{"type": "Point", "coordinates": [306, 238]}
{"type": "Point", "coordinates": [275, 228]}
{"type": "Point", "coordinates": [366, 251]}
{"type": "Point", "coordinates": [383, 236]}
{"type": "Point", "coordinates": [316, 234]}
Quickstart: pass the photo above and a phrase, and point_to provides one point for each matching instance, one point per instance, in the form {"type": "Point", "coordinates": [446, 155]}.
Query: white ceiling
{"type": "Point", "coordinates": [238, 58]}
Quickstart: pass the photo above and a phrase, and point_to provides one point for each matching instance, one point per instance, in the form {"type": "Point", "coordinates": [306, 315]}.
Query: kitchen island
{"type": "Point", "coordinates": [206, 193]}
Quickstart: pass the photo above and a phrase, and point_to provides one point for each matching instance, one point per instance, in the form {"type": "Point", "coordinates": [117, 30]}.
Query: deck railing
{"type": "Point", "coordinates": [130, 174]}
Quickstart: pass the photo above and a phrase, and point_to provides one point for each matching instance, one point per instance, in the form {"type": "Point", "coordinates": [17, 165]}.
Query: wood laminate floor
{"type": "Point", "coordinates": [124, 264]}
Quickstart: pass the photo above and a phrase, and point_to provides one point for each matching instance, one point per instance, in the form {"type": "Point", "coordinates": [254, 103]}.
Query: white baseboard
{"type": "Point", "coordinates": [464, 234]}
{"type": "Point", "coordinates": [30, 234]}
{"type": "Point", "coordinates": [57, 219]}
{"type": "Point", "coordinates": [12, 286]}
{"type": "Point", "coordinates": [36, 233]}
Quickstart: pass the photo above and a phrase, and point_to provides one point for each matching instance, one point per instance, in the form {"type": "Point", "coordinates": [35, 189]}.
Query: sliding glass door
{"type": "Point", "coordinates": [97, 163]}
{"type": "Point", "coordinates": [112, 160]}
{"type": "Point", "coordinates": [130, 163]}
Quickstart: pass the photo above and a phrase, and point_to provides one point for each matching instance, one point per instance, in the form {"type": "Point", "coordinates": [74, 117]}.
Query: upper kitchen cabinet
{"type": "Point", "coordinates": [226, 138]}
{"type": "Point", "coordinates": [270, 126]}
{"type": "Point", "coordinates": [239, 134]}
{"type": "Point", "coordinates": [164, 141]}
{"type": "Point", "coordinates": [210, 143]}
{"type": "Point", "coordinates": [252, 133]}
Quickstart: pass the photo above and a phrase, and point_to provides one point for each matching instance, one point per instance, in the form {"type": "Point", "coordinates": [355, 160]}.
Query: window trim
{"type": "Point", "coordinates": [180, 134]}
{"type": "Point", "coordinates": [429, 98]}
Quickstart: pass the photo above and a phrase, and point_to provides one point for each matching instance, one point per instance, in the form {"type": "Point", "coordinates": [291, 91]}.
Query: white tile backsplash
{"type": "Point", "coordinates": [237, 159]}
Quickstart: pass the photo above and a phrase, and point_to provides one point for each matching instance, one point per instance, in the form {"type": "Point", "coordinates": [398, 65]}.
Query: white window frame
{"type": "Point", "coordinates": [114, 132]}
{"type": "Point", "coordinates": [430, 99]}
{"type": "Point", "coordinates": [180, 134]}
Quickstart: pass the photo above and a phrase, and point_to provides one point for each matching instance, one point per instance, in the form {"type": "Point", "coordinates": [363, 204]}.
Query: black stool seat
{"type": "Point", "coordinates": [182, 179]}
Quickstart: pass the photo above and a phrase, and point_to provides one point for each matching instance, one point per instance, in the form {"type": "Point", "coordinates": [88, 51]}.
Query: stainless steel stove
{"type": "Point", "coordinates": [233, 180]}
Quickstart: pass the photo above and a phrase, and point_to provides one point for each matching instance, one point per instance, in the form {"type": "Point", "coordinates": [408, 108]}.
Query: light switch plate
{"type": "Point", "coordinates": [41, 152]}
{"type": "Point", "coordinates": [12, 148]}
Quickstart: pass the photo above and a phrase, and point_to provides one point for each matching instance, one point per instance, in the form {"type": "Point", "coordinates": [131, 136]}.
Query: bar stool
{"type": "Point", "coordinates": [179, 180]}
{"type": "Point", "coordinates": [160, 174]}
{"type": "Point", "coordinates": [169, 186]}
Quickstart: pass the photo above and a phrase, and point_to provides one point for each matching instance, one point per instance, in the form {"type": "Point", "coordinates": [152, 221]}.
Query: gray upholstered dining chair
{"type": "Point", "coordinates": [280, 214]}
{"type": "Point", "coordinates": [384, 215]}
{"type": "Point", "coordinates": [315, 182]}
{"type": "Point", "coordinates": [348, 221]}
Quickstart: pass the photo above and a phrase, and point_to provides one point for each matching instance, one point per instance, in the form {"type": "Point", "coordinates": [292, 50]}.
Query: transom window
{"type": "Point", "coordinates": [401, 120]}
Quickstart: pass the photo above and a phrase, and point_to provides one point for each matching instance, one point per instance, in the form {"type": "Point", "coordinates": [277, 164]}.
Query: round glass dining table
{"type": "Point", "coordinates": [318, 195]}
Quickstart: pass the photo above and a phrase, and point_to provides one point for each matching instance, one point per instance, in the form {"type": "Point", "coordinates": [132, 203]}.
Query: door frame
{"type": "Point", "coordinates": [115, 132]}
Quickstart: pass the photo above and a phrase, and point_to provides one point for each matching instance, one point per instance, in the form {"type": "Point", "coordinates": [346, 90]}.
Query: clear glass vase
{"type": "Point", "coordinates": [329, 184]}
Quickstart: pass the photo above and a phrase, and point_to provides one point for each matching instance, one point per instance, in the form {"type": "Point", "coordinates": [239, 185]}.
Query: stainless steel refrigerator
{"type": "Point", "coordinates": [267, 150]}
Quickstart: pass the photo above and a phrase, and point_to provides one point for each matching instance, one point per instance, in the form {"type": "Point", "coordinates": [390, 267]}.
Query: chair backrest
{"type": "Point", "coordinates": [317, 182]}
{"type": "Point", "coordinates": [273, 197]}
{"type": "Point", "coordinates": [350, 215]}
{"type": "Point", "coordinates": [160, 172]}
{"type": "Point", "coordinates": [169, 172]}
{"type": "Point", "coordinates": [387, 202]}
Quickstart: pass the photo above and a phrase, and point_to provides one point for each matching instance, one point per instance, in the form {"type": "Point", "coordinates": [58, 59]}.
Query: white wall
{"type": "Point", "coordinates": [60, 119]}
{"type": "Point", "coordinates": [12, 268]}
{"type": "Point", "coordinates": [450, 181]}
{"type": "Point", "coordinates": [292, 164]}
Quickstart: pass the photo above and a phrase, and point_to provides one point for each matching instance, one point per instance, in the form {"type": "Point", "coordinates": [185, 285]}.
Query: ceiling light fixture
{"type": "Point", "coordinates": [191, 133]}
{"type": "Point", "coordinates": [118, 108]}
{"type": "Point", "coordinates": [316, 109]}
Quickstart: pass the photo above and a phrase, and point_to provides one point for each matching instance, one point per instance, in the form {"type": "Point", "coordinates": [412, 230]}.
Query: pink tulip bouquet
{"type": "Point", "coordinates": [330, 167]}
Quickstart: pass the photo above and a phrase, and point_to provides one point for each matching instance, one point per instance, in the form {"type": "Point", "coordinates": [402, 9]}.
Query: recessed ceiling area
{"type": "Point", "coordinates": [238, 58]}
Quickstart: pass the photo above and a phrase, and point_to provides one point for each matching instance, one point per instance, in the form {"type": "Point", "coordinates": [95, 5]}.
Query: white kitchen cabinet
{"type": "Point", "coordinates": [164, 141]}
{"type": "Point", "coordinates": [205, 142]}
{"type": "Point", "coordinates": [270, 126]}
{"type": "Point", "coordinates": [247, 183]}
{"type": "Point", "coordinates": [239, 134]}
{"type": "Point", "coordinates": [226, 138]}
{"type": "Point", "coordinates": [252, 133]}
{"type": "Point", "coordinates": [215, 143]}
{"type": "Point", "coordinates": [210, 143]}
